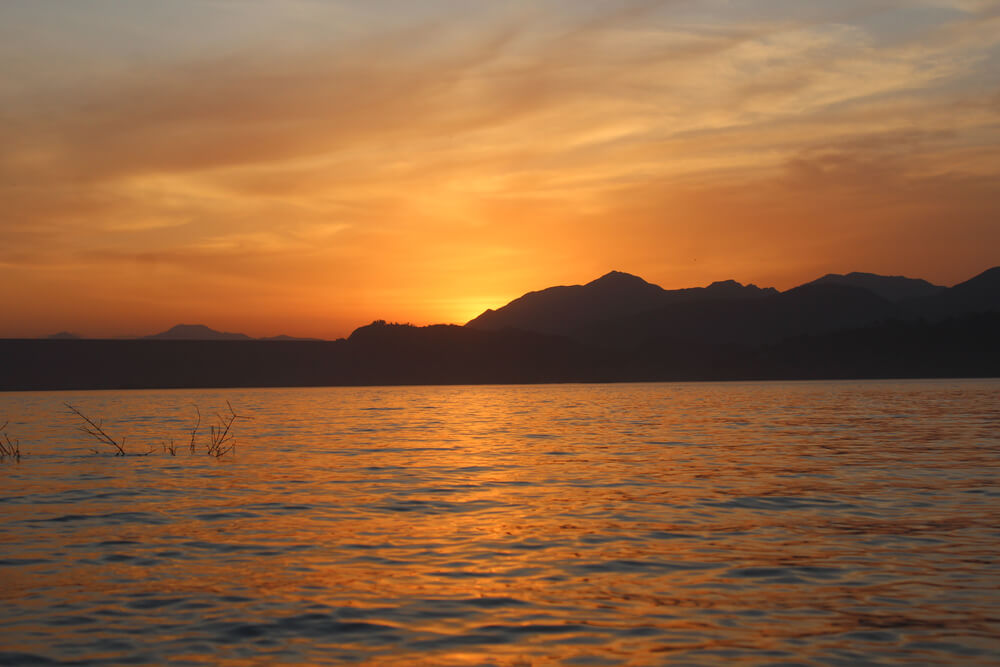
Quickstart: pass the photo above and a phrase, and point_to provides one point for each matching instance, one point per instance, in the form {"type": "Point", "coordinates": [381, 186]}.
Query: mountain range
{"type": "Point", "coordinates": [565, 310]}
{"type": "Point", "coordinates": [188, 332]}
{"type": "Point", "coordinates": [621, 309]}
{"type": "Point", "coordinates": [616, 328]}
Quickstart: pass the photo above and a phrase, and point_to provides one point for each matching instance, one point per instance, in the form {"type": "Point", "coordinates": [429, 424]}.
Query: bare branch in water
{"type": "Point", "coordinates": [220, 435]}
{"type": "Point", "coordinates": [9, 448]}
{"type": "Point", "coordinates": [194, 431]}
{"type": "Point", "coordinates": [92, 428]}
{"type": "Point", "coordinates": [221, 439]}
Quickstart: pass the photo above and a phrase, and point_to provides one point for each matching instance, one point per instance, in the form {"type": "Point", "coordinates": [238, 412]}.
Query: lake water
{"type": "Point", "coordinates": [816, 523]}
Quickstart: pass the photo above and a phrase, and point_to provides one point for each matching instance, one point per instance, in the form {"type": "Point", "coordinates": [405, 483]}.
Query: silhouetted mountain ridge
{"type": "Point", "coordinates": [726, 331]}
{"type": "Point", "coordinates": [621, 309]}
{"type": "Point", "coordinates": [891, 288]}
{"type": "Point", "coordinates": [808, 309]}
{"type": "Point", "coordinates": [978, 294]}
{"type": "Point", "coordinates": [564, 310]}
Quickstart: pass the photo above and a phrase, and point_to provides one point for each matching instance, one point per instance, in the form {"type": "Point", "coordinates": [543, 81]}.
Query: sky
{"type": "Point", "coordinates": [304, 167]}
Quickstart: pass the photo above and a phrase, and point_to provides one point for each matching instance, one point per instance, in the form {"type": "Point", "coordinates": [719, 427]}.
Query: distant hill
{"type": "Point", "coordinates": [63, 335]}
{"type": "Point", "coordinates": [891, 288]}
{"type": "Point", "coordinates": [564, 310]}
{"type": "Point", "coordinates": [196, 332]}
{"type": "Point", "coordinates": [284, 338]}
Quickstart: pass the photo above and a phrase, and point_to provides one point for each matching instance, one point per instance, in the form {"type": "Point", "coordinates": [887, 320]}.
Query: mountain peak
{"type": "Point", "coordinates": [196, 332]}
{"type": "Point", "coordinates": [64, 335]}
{"type": "Point", "coordinates": [568, 310]}
{"type": "Point", "coordinates": [178, 328]}
{"type": "Point", "coordinates": [618, 278]}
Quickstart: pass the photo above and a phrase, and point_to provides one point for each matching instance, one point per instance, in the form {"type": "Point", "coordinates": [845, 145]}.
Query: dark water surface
{"type": "Point", "coordinates": [836, 523]}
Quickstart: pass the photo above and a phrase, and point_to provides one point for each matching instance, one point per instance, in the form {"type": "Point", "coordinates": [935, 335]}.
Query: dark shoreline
{"type": "Point", "coordinates": [400, 355]}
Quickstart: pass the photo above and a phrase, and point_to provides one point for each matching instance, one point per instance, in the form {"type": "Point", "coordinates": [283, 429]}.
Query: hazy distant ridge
{"type": "Point", "coordinates": [196, 332]}
{"type": "Point", "coordinates": [202, 332]}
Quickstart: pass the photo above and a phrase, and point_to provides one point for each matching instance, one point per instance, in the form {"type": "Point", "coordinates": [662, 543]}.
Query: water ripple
{"type": "Point", "coordinates": [740, 523]}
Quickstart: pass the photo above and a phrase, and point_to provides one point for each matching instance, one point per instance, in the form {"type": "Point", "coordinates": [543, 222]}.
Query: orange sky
{"type": "Point", "coordinates": [307, 167]}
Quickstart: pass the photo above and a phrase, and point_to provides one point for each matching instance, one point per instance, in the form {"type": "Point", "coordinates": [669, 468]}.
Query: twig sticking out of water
{"type": "Point", "coordinates": [221, 440]}
{"type": "Point", "coordinates": [92, 428]}
{"type": "Point", "coordinates": [194, 431]}
{"type": "Point", "coordinates": [9, 448]}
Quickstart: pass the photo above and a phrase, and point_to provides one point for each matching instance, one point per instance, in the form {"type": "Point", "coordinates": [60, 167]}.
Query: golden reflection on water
{"type": "Point", "coordinates": [616, 524]}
